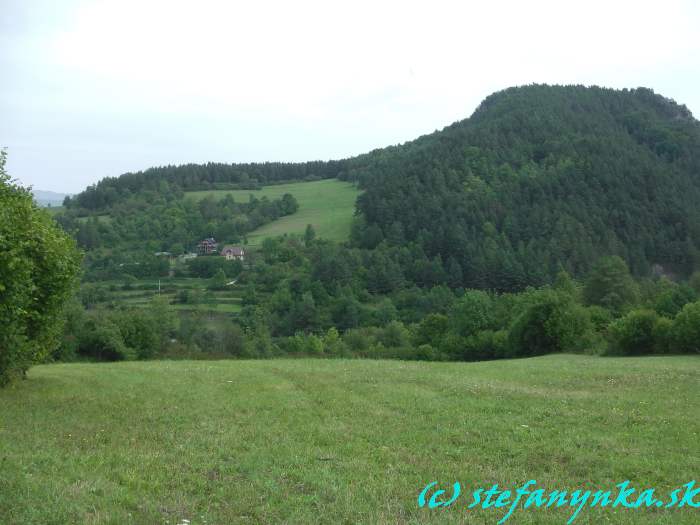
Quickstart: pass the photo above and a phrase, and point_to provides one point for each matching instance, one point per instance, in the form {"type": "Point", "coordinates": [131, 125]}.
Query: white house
{"type": "Point", "coordinates": [233, 253]}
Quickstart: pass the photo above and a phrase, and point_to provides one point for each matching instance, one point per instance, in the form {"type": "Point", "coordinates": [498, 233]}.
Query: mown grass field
{"type": "Point", "coordinates": [327, 204]}
{"type": "Point", "coordinates": [341, 441]}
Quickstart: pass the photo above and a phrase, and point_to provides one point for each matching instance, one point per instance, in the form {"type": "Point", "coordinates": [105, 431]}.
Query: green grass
{"type": "Point", "coordinates": [152, 282]}
{"type": "Point", "coordinates": [338, 441]}
{"type": "Point", "coordinates": [105, 218]}
{"type": "Point", "coordinates": [222, 301]}
{"type": "Point", "coordinates": [327, 204]}
{"type": "Point", "coordinates": [219, 304]}
{"type": "Point", "coordinates": [219, 307]}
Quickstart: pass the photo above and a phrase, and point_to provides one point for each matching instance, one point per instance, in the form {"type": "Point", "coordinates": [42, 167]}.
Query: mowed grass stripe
{"type": "Point", "coordinates": [340, 441]}
{"type": "Point", "coordinates": [328, 205]}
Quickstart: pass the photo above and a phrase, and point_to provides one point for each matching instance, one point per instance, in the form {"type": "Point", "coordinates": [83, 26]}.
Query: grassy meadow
{"type": "Point", "coordinates": [143, 291]}
{"type": "Point", "coordinates": [105, 218]}
{"type": "Point", "coordinates": [341, 441]}
{"type": "Point", "coordinates": [327, 204]}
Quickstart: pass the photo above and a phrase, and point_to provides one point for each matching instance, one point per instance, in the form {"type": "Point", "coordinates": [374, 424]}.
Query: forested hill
{"type": "Point", "coordinates": [542, 177]}
{"type": "Point", "coordinates": [188, 177]}
{"type": "Point", "coordinates": [538, 178]}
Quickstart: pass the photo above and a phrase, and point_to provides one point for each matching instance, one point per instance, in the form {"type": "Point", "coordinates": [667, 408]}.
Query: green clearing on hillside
{"type": "Point", "coordinates": [327, 204]}
{"type": "Point", "coordinates": [143, 291]}
{"type": "Point", "coordinates": [341, 441]}
{"type": "Point", "coordinates": [105, 218]}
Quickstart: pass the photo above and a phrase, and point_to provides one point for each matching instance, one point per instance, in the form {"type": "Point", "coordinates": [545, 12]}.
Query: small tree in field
{"type": "Point", "coordinates": [309, 234]}
{"type": "Point", "coordinates": [38, 268]}
{"type": "Point", "coordinates": [610, 285]}
{"type": "Point", "coordinates": [472, 313]}
{"type": "Point", "coordinates": [218, 282]}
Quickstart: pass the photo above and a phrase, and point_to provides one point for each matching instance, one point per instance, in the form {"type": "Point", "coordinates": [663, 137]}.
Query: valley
{"type": "Point", "coordinates": [345, 263]}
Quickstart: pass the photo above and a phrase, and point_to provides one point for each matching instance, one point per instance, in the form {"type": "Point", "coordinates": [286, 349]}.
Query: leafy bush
{"type": "Point", "coordinates": [218, 281]}
{"type": "Point", "coordinates": [486, 344]}
{"type": "Point", "coordinates": [431, 330]}
{"type": "Point", "coordinates": [471, 313]}
{"type": "Point", "coordinates": [686, 329]}
{"type": "Point", "coordinates": [669, 302]}
{"type": "Point", "coordinates": [303, 344]}
{"type": "Point", "coordinates": [102, 340]}
{"type": "Point", "coordinates": [394, 335]}
{"type": "Point", "coordinates": [333, 344]}
{"type": "Point", "coordinates": [552, 323]}
{"type": "Point", "coordinates": [38, 268]}
{"type": "Point", "coordinates": [115, 335]}
{"type": "Point", "coordinates": [139, 332]}
{"type": "Point", "coordinates": [228, 339]}
{"type": "Point", "coordinates": [634, 334]}
{"type": "Point", "coordinates": [359, 340]}
{"type": "Point", "coordinates": [426, 353]}
{"type": "Point", "coordinates": [452, 346]}
{"type": "Point", "coordinates": [663, 336]}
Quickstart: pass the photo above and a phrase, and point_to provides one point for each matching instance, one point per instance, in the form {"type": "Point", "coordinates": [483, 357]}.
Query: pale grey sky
{"type": "Point", "coordinates": [97, 88]}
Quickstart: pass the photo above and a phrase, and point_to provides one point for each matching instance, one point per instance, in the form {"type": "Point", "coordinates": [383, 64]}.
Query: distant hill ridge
{"type": "Point", "coordinates": [48, 198]}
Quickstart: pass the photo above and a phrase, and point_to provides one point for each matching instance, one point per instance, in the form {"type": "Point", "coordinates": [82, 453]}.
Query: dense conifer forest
{"type": "Point", "coordinates": [542, 178]}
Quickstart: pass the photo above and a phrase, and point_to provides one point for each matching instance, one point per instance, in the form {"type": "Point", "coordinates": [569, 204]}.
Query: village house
{"type": "Point", "coordinates": [207, 246]}
{"type": "Point", "coordinates": [233, 253]}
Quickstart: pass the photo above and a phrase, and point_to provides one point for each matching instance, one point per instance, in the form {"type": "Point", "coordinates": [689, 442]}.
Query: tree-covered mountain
{"type": "Point", "coordinates": [539, 178]}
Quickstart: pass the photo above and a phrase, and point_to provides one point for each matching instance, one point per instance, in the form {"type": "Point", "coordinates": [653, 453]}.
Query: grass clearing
{"type": "Point", "coordinates": [104, 218]}
{"type": "Point", "coordinates": [143, 291]}
{"type": "Point", "coordinates": [341, 441]}
{"type": "Point", "coordinates": [327, 204]}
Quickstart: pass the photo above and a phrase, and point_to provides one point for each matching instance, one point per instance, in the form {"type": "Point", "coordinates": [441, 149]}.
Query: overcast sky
{"type": "Point", "coordinates": [97, 88]}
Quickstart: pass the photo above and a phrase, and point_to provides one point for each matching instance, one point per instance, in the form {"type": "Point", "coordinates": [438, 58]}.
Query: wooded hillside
{"type": "Point", "coordinates": [539, 178]}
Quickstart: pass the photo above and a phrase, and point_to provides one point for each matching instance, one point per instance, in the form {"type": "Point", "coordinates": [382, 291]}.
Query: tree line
{"type": "Point", "coordinates": [300, 300]}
